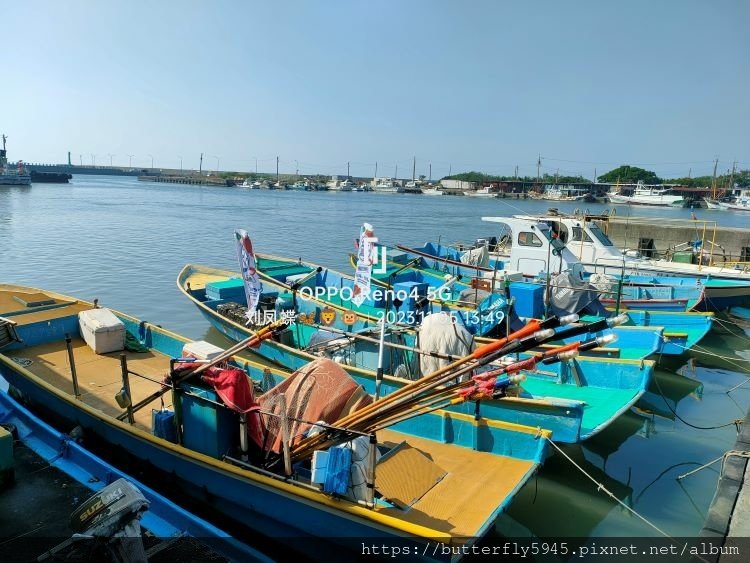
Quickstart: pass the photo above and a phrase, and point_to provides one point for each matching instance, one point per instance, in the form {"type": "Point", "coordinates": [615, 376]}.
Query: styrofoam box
{"type": "Point", "coordinates": [102, 330]}
{"type": "Point", "coordinates": [201, 350]}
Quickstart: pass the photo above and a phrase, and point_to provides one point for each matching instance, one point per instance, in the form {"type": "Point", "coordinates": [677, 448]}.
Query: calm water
{"type": "Point", "coordinates": [124, 242]}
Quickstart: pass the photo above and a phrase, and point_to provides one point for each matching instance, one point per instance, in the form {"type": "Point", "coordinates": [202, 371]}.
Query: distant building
{"type": "Point", "coordinates": [458, 185]}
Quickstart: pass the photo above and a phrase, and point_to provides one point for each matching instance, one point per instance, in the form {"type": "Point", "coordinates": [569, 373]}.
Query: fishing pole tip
{"type": "Point", "coordinates": [606, 339]}
{"type": "Point", "coordinates": [620, 319]}
{"type": "Point", "coordinates": [568, 319]}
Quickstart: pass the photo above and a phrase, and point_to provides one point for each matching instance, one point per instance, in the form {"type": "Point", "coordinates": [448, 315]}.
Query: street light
{"type": "Point", "coordinates": [152, 162]}
{"type": "Point", "coordinates": [130, 161]}
{"type": "Point", "coordinates": [93, 159]}
{"type": "Point", "coordinates": [180, 162]}
{"type": "Point", "coordinates": [110, 155]}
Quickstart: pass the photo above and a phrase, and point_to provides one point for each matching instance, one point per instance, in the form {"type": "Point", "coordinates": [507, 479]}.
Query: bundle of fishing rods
{"type": "Point", "coordinates": [457, 382]}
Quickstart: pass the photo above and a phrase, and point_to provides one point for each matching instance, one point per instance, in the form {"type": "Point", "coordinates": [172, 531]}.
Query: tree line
{"type": "Point", "coordinates": [624, 174]}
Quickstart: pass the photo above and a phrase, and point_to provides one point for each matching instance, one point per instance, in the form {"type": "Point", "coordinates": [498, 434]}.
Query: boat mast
{"type": "Point", "coordinates": [713, 181]}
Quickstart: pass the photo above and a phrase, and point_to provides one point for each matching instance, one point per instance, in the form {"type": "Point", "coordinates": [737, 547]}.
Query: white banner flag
{"type": "Point", "coordinates": [365, 259]}
{"type": "Point", "coordinates": [246, 257]}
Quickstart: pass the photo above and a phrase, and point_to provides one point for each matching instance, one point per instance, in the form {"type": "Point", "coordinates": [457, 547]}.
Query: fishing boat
{"type": "Point", "coordinates": [554, 401]}
{"type": "Point", "coordinates": [486, 191]}
{"type": "Point", "coordinates": [163, 519]}
{"type": "Point", "coordinates": [388, 186]}
{"type": "Point", "coordinates": [62, 355]}
{"type": "Point", "coordinates": [433, 191]}
{"type": "Point", "coordinates": [646, 195]}
{"type": "Point", "coordinates": [646, 283]}
{"type": "Point", "coordinates": [740, 202]}
{"type": "Point", "coordinates": [555, 192]}
{"type": "Point", "coordinates": [679, 331]}
{"type": "Point", "coordinates": [12, 176]}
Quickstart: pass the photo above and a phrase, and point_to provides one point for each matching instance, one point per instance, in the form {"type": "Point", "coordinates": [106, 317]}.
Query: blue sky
{"type": "Point", "coordinates": [482, 85]}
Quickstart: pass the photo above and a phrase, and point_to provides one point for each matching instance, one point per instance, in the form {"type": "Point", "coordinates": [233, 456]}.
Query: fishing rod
{"type": "Point", "coordinates": [557, 354]}
{"type": "Point", "coordinates": [479, 357]}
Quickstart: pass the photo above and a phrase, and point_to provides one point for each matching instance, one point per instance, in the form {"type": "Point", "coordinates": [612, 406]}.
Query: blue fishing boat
{"type": "Point", "coordinates": [80, 365]}
{"type": "Point", "coordinates": [163, 519]}
{"type": "Point", "coordinates": [575, 400]}
{"type": "Point", "coordinates": [681, 330]}
{"type": "Point", "coordinates": [637, 281]}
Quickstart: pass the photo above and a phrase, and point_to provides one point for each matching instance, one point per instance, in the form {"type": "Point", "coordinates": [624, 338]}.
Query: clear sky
{"type": "Point", "coordinates": [482, 85]}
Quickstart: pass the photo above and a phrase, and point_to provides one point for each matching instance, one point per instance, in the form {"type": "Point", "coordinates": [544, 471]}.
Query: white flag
{"type": "Point", "coordinates": [365, 259]}
{"type": "Point", "coordinates": [246, 257]}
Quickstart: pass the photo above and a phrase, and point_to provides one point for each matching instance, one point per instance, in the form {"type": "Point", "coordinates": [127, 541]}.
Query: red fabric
{"type": "Point", "coordinates": [234, 389]}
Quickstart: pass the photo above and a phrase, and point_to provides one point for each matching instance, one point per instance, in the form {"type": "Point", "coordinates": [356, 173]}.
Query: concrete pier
{"type": "Point", "coordinates": [197, 180]}
{"type": "Point", "coordinates": [658, 237]}
{"type": "Point", "coordinates": [729, 514]}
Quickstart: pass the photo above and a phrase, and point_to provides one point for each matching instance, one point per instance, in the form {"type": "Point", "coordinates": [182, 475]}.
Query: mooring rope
{"type": "Point", "coordinates": [736, 422]}
{"type": "Point", "coordinates": [601, 487]}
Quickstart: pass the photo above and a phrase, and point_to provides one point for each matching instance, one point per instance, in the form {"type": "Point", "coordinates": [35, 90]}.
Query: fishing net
{"type": "Point", "coordinates": [320, 391]}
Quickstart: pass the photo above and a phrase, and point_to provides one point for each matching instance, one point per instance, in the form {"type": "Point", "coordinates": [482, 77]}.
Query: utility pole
{"type": "Point", "coordinates": [130, 160]}
{"type": "Point", "coordinates": [515, 174]}
{"type": "Point", "coordinates": [430, 172]}
{"type": "Point", "coordinates": [277, 169]}
{"type": "Point", "coordinates": [256, 165]}
{"type": "Point", "coordinates": [80, 156]}
{"type": "Point", "coordinates": [450, 170]}
{"type": "Point", "coordinates": [296, 168]}
{"type": "Point", "coordinates": [110, 159]}
{"type": "Point", "coordinates": [376, 169]}
{"type": "Point", "coordinates": [395, 175]}
{"type": "Point", "coordinates": [595, 176]}
{"type": "Point", "coordinates": [200, 166]}
{"type": "Point", "coordinates": [347, 171]}
{"type": "Point", "coordinates": [413, 168]}
{"type": "Point", "coordinates": [690, 172]}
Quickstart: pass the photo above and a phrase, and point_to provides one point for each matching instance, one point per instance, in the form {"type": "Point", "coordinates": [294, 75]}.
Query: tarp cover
{"type": "Point", "coordinates": [476, 257]}
{"type": "Point", "coordinates": [570, 294]}
{"type": "Point", "coordinates": [319, 391]}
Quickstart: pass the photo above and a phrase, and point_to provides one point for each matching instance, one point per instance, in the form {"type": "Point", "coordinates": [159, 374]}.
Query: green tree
{"type": "Point", "coordinates": [630, 175]}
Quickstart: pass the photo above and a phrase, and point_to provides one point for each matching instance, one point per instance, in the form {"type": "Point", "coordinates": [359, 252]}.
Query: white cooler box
{"type": "Point", "coordinates": [201, 350]}
{"type": "Point", "coordinates": [102, 331]}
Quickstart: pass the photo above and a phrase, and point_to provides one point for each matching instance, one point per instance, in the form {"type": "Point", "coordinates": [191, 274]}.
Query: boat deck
{"type": "Point", "coordinates": [99, 375]}
{"type": "Point", "coordinates": [25, 307]}
{"type": "Point", "coordinates": [461, 504]}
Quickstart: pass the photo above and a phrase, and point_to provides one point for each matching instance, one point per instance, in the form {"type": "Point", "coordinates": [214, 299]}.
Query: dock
{"type": "Point", "coordinates": [657, 237]}
{"type": "Point", "coordinates": [196, 180]}
{"type": "Point", "coordinates": [728, 516]}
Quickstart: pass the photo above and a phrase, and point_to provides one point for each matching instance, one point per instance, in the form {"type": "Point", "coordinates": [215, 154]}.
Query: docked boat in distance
{"type": "Point", "coordinates": [209, 445]}
{"type": "Point", "coordinates": [486, 191]}
{"type": "Point", "coordinates": [646, 195]}
{"type": "Point", "coordinates": [12, 176]}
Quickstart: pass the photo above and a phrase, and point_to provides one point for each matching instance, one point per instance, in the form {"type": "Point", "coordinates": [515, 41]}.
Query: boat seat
{"type": "Point", "coordinates": [8, 333]}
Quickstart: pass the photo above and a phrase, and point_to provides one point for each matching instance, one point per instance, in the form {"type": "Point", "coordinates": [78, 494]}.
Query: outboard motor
{"type": "Point", "coordinates": [111, 519]}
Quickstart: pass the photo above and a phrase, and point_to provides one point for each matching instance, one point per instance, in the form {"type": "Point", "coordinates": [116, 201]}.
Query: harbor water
{"type": "Point", "coordinates": [124, 242]}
